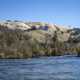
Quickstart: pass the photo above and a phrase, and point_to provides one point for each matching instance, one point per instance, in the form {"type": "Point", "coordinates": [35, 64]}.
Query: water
{"type": "Point", "coordinates": [45, 68]}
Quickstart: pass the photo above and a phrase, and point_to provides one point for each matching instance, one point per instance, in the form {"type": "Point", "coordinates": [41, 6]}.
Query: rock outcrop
{"type": "Point", "coordinates": [34, 39]}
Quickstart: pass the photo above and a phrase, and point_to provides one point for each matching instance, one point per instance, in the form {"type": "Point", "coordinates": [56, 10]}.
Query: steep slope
{"type": "Point", "coordinates": [33, 39]}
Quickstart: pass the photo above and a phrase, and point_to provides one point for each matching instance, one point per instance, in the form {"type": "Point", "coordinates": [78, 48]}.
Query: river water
{"type": "Point", "coordinates": [45, 68]}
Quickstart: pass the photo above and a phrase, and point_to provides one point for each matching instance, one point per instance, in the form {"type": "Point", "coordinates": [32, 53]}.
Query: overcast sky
{"type": "Point", "coordinates": [63, 12]}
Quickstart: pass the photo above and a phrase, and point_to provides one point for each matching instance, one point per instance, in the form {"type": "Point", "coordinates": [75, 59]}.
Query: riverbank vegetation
{"type": "Point", "coordinates": [35, 43]}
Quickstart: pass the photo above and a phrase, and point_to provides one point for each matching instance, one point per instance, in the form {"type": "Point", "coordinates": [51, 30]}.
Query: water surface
{"type": "Point", "coordinates": [45, 68]}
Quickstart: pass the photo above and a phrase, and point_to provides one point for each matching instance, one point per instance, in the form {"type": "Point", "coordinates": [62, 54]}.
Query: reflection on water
{"type": "Point", "coordinates": [45, 68]}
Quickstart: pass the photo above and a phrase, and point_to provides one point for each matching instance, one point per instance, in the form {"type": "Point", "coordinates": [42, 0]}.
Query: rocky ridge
{"type": "Point", "coordinates": [34, 39]}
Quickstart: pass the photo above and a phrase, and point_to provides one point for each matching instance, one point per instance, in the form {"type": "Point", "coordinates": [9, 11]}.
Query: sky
{"type": "Point", "coordinates": [63, 12]}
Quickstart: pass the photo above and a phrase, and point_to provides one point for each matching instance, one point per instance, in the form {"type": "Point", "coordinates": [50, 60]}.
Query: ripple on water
{"type": "Point", "coordinates": [45, 68]}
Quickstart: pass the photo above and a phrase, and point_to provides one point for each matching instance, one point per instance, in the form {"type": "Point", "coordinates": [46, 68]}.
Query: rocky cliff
{"type": "Point", "coordinates": [34, 39]}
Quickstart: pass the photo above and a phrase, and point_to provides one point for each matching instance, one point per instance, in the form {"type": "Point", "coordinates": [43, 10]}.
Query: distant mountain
{"type": "Point", "coordinates": [20, 39]}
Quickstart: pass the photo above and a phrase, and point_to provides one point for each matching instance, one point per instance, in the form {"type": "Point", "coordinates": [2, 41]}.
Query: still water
{"type": "Point", "coordinates": [45, 68]}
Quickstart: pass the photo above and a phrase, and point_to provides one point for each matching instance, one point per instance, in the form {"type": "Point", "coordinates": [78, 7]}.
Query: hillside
{"type": "Point", "coordinates": [34, 39]}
